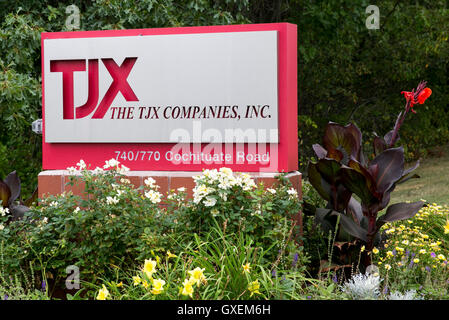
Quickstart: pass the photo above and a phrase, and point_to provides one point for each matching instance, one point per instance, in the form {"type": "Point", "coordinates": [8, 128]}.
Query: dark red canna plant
{"type": "Point", "coordinates": [10, 193]}
{"type": "Point", "coordinates": [342, 171]}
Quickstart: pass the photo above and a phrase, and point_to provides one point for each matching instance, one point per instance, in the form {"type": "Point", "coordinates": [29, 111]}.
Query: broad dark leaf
{"type": "Point", "coordinates": [355, 210]}
{"type": "Point", "coordinates": [350, 226]}
{"type": "Point", "coordinates": [315, 179]}
{"type": "Point", "coordinates": [379, 145]}
{"type": "Point", "coordinates": [407, 175]}
{"type": "Point", "coordinates": [18, 211]}
{"type": "Point", "coordinates": [391, 166]}
{"type": "Point", "coordinates": [371, 183]}
{"type": "Point", "coordinates": [13, 182]}
{"type": "Point", "coordinates": [319, 151]}
{"type": "Point", "coordinates": [329, 170]}
{"type": "Point", "coordinates": [389, 136]}
{"type": "Point", "coordinates": [342, 139]}
{"type": "Point", "coordinates": [5, 194]}
{"type": "Point", "coordinates": [32, 199]}
{"type": "Point", "coordinates": [322, 218]}
{"type": "Point", "coordinates": [401, 211]}
{"type": "Point", "coordinates": [357, 183]}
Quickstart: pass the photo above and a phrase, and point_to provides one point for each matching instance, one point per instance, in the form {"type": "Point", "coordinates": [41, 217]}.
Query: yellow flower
{"type": "Point", "coordinates": [246, 267]}
{"type": "Point", "coordinates": [149, 267]}
{"type": "Point", "coordinates": [120, 284]}
{"type": "Point", "coordinates": [171, 255]}
{"type": "Point", "coordinates": [158, 286]}
{"type": "Point", "coordinates": [375, 250]}
{"type": "Point", "coordinates": [389, 253]}
{"type": "Point", "coordinates": [362, 249]}
{"type": "Point", "coordinates": [416, 260]}
{"type": "Point", "coordinates": [254, 287]}
{"type": "Point", "coordinates": [187, 289]}
{"type": "Point", "coordinates": [446, 227]}
{"type": "Point", "coordinates": [137, 280]}
{"type": "Point", "coordinates": [103, 293]}
{"type": "Point", "coordinates": [145, 284]}
{"type": "Point", "coordinates": [197, 275]}
{"type": "Point", "coordinates": [441, 257]}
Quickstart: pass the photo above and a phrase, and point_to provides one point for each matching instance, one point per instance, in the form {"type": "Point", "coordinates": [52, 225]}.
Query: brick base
{"type": "Point", "coordinates": [54, 182]}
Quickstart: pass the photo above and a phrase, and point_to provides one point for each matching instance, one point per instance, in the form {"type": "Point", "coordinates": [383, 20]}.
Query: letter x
{"type": "Point", "coordinates": [119, 75]}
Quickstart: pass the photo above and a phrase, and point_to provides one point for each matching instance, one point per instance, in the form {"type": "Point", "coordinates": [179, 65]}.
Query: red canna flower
{"type": "Point", "coordinates": [423, 95]}
{"type": "Point", "coordinates": [418, 96]}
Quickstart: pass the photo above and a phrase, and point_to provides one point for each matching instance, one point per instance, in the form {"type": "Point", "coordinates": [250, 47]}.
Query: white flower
{"type": "Point", "coordinates": [81, 164]}
{"type": "Point", "coordinates": [112, 200]}
{"type": "Point", "coordinates": [150, 182]}
{"type": "Point", "coordinates": [45, 220]}
{"type": "Point", "coordinates": [214, 212]}
{"type": "Point", "coordinates": [125, 181]}
{"type": "Point", "coordinates": [111, 163]}
{"type": "Point", "coordinates": [154, 196]}
{"type": "Point", "coordinates": [54, 204]}
{"type": "Point", "coordinates": [226, 171]}
{"type": "Point", "coordinates": [123, 169]}
{"type": "Point", "coordinates": [182, 189]}
{"type": "Point", "coordinates": [3, 211]}
{"type": "Point", "coordinates": [200, 191]}
{"type": "Point", "coordinates": [72, 170]}
{"type": "Point", "coordinates": [76, 210]}
{"type": "Point", "coordinates": [223, 195]}
{"type": "Point", "coordinates": [292, 192]}
{"type": "Point", "coordinates": [2, 227]}
{"type": "Point", "coordinates": [273, 191]}
{"type": "Point", "coordinates": [210, 201]}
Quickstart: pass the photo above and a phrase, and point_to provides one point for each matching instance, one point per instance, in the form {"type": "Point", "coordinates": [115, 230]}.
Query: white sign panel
{"type": "Point", "coordinates": [210, 87]}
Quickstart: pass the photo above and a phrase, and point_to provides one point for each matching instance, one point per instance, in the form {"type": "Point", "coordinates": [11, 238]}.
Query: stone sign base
{"type": "Point", "coordinates": [54, 182]}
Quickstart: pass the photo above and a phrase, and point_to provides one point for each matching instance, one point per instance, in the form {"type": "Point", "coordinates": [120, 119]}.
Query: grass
{"type": "Point", "coordinates": [433, 184]}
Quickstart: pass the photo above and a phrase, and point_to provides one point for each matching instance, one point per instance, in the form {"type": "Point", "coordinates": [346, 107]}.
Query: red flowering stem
{"type": "Point", "coordinates": [399, 124]}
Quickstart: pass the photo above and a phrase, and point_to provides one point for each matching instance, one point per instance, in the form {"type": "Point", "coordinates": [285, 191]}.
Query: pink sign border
{"type": "Point", "coordinates": [62, 155]}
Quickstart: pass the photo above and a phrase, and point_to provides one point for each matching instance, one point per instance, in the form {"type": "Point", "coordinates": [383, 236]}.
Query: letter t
{"type": "Point", "coordinates": [67, 67]}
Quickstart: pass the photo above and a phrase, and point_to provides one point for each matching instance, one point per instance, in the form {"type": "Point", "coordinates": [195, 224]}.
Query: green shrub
{"type": "Point", "coordinates": [115, 224]}
{"type": "Point", "coordinates": [105, 228]}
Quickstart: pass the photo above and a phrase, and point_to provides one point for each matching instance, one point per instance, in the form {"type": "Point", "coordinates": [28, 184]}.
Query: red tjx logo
{"type": "Point", "coordinates": [119, 75]}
